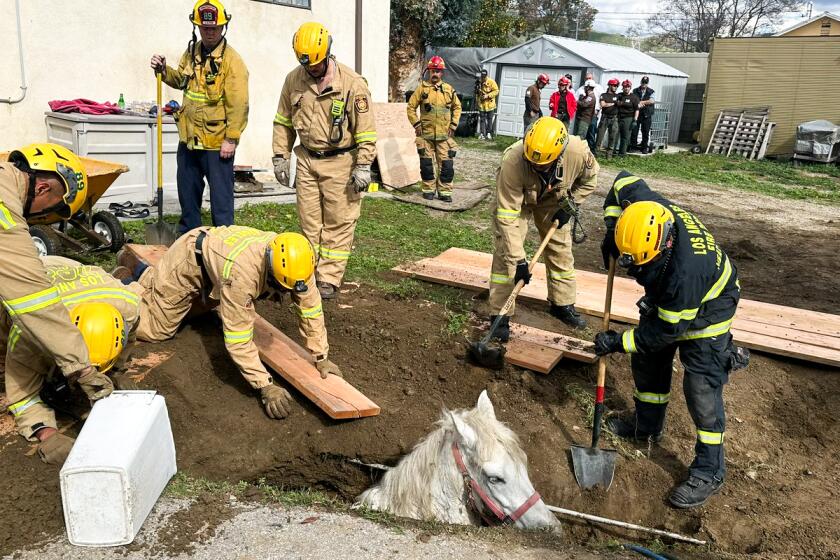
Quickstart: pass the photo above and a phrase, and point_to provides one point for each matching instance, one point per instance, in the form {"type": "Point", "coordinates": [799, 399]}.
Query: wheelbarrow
{"type": "Point", "coordinates": [101, 229]}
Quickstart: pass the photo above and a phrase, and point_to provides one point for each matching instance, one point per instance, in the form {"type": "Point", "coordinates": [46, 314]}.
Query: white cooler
{"type": "Point", "coordinates": [119, 465]}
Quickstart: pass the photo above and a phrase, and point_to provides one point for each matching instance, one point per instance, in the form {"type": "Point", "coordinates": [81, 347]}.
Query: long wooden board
{"type": "Point", "coordinates": [530, 355]}
{"type": "Point", "coordinates": [787, 331]}
{"type": "Point", "coordinates": [335, 396]}
{"type": "Point", "coordinates": [540, 350]}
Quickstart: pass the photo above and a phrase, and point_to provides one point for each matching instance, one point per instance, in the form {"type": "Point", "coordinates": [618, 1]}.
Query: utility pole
{"type": "Point", "coordinates": [577, 23]}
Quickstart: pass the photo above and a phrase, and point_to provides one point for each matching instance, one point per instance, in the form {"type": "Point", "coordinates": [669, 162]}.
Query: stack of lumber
{"type": "Point", "coordinates": [333, 395]}
{"type": "Point", "coordinates": [775, 329]}
{"type": "Point", "coordinates": [744, 132]}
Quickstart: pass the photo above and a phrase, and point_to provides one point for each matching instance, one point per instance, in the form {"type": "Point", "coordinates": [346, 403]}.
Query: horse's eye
{"type": "Point", "coordinates": [496, 480]}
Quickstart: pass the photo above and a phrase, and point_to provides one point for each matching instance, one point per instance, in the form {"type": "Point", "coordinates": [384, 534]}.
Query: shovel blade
{"type": "Point", "coordinates": [160, 233]}
{"type": "Point", "coordinates": [486, 355]}
{"type": "Point", "coordinates": [593, 466]}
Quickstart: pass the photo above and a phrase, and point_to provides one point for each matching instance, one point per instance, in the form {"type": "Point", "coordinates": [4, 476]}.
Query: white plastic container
{"type": "Point", "coordinates": [119, 465]}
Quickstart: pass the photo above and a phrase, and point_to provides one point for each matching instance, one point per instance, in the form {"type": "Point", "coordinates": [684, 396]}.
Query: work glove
{"type": "Point", "coordinates": [96, 385]}
{"type": "Point", "coordinates": [361, 178]}
{"type": "Point", "coordinates": [55, 449]}
{"type": "Point", "coordinates": [607, 342]}
{"type": "Point", "coordinates": [522, 272]}
{"type": "Point", "coordinates": [276, 401]}
{"type": "Point", "coordinates": [562, 216]}
{"type": "Point", "coordinates": [609, 248]}
{"type": "Point", "coordinates": [281, 170]}
{"type": "Point", "coordinates": [326, 367]}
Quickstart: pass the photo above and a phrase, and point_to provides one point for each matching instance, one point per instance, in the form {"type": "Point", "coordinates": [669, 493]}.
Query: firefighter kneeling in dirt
{"type": "Point", "coordinates": [538, 177]}
{"type": "Point", "coordinates": [691, 292]}
{"type": "Point", "coordinates": [232, 267]}
{"type": "Point", "coordinates": [105, 311]}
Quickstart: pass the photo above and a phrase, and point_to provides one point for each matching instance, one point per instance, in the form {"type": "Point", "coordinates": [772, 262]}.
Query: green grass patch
{"type": "Point", "coordinates": [775, 178]}
{"type": "Point", "coordinates": [584, 399]}
{"type": "Point", "coordinates": [185, 486]}
{"type": "Point", "coordinates": [499, 143]}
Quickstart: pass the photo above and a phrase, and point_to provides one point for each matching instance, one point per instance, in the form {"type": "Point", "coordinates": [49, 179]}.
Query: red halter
{"type": "Point", "coordinates": [472, 486]}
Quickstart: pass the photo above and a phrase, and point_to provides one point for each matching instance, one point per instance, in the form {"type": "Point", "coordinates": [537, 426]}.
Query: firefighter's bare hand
{"type": "Point", "coordinates": [158, 62]}
{"type": "Point", "coordinates": [96, 385]}
{"type": "Point", "coordinates": [361, 178]}
{"type": "Point", "coordinates": [327, 367]}
{"type": "Point", "coordinates": [228, 149]}
{"type": "Point", "coordinates": [281, 170]}
{"type": "Point", "coordinates": [276, 401]}
{"type": "Point", "coordinates": [418, 130]}
{"type": "Point", "coordinates": [451, 132]}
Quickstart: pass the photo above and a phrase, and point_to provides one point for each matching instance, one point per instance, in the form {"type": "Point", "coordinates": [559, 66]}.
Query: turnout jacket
{"type": "Point", "coordinates": [693, 287]}
{"type": "Point", "coordinates": [440, 110]}
{"type": "Point", "coordinates": [488, 90]}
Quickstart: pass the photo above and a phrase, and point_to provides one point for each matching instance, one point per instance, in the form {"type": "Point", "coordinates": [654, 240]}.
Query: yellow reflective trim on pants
{"type": "Point", "coordinates": [335, 254]}
{"type": "Point", "coordinates": [628, 341]}
{"type": "Point", "coordinates": [652, 398]}
{"type": "Point", "coordinates": [32, 302]}
{"type": "Point", "coordinates": [612, 211]}
{"type": "Point", "coordinates": [201, 97]}
{"type": "Point", "coordinates": [14, 335]}
{"type": "Point", "coordinates": [562, 275]}
{"type": "Point", "coordinates": [311, 312]}
{"type": "Point", "coordinates": [712, 330]}
{"type": "Point", "coordinates": [710, 438]}
{"type": "Point", "coordinates": [718, 286]}
{"type": "Point", "coordinates": [368, 136]}
{"type": "Point", "coordinates": [239, 337]}
{"type": "Point", "coordinates": [623, 182]}
{"type": "Point", "coordinates": [20, 407]}
{"type": "Point", "coordinates": [231, 258]}
{"type": "Point", "coordinates": [501, 279]}
{"type": "Point", "coordinates": [675, 317]}
{"type": "Point", "coordinates": [6, 220]}
{"type": "Point", "coordinates": [283, 120]}
{"type": "Point", "coordinates": [506, 214]}
{"type": "Point", "coordinates": [101, 293]}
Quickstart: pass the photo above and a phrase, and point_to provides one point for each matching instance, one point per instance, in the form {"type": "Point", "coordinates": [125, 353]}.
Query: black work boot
{"type": "Point", "coordinates": [569, 315]}
{"type": "Point", "coordinates": [694, 492]}
{"type": "Point", "coordinates": [625, 427]}
{"type": "Point", "coordinates": [327, 290]}
{"type": "Point", "coordinates": [429, 195]}
{"type": "Point", "coordinates": [445, 197]}
{"type": "Point", "coordinates": [502, 332]}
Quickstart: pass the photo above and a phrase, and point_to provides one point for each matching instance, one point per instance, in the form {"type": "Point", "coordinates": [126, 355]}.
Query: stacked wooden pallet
{"type": "Point", "coordinates": [743, 132]}
{"type": "Point", "coordinates": [785, 331]}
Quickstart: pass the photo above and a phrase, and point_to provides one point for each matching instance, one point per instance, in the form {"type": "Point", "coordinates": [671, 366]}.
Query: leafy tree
{"type": "Point", "coordinates": [496, 25]}
{"type": "Point", "coordinates": [567, 18]}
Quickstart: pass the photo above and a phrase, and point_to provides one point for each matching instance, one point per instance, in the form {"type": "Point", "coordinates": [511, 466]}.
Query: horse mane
{"type": "Point", "coordinates": [406, 490]}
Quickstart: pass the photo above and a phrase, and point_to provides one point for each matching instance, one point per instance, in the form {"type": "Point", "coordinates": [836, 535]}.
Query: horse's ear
{"type": "Point", "coordinates": [465, 434]}
{"type": "Point", "coordinates": [485, 405]}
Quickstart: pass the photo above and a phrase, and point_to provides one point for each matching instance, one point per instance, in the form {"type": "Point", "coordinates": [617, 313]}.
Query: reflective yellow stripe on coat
{"type": "Point", "coordinates": [32, 302]}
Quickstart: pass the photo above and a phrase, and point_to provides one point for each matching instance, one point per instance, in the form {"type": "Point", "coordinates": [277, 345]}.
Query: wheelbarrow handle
{"type": "Point", "coordinates": [602, 361]}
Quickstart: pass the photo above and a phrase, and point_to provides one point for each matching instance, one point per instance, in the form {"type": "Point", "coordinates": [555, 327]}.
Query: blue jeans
{"type": "Point", "coordinates": [193, 167]}
{"type": "Point", "coordinates": [592, 134]}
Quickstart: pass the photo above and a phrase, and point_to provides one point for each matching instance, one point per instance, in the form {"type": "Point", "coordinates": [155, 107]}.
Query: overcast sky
{"type": "Point", "coordinates": [616, 16]}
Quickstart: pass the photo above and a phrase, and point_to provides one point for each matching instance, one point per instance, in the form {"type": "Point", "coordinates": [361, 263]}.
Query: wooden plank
{"type": "Point", "coordinates": [776, 329]}
{"type": "Point", "coordinates": [572, 348]}
{"type": "Point", "coordinates": [295, 364]}
{"type": "Point", "coordinates": [529, 355]}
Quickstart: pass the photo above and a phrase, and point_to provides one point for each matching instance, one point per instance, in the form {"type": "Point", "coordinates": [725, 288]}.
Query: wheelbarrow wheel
{"type": "Point", "coordinates": [109, 227]}
{"type": "Point", "coordinates": [46, 240]}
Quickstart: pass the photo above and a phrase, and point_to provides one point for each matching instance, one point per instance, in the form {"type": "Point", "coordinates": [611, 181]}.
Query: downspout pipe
{"type": "Point", "coordinates": [9, 100]}
{"type": "Point", "coordinates": [358, 37]}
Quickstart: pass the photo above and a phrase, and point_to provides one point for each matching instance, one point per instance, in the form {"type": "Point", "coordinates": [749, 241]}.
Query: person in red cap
{"type": "Point", "coordinates": [532, 101]}
{"type": "Point", "coordinates": [628, 114]}
{"type": "Point", "coordinates": [562, 102]}
{"type": "Point", "coordinates": [609, 118]}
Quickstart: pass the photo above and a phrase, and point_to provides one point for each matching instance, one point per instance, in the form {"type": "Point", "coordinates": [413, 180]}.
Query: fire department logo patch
{"type": "Point", "coordinates": [590, 160]}
{"type": "Point", "coordinates": [361, 104]}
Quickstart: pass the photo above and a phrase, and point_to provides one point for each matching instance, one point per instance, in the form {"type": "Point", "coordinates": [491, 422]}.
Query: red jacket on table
{"type": "Point", "coordinates": [571, 103]}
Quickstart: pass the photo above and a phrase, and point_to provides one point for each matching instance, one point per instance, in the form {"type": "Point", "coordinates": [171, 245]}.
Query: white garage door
{"type": "Point", "coordinates": [514, 81]}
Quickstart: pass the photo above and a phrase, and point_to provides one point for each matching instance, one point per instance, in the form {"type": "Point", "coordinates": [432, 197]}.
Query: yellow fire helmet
{"type": "Point", "coordinates": [103, 329]}
{"type": "Point", "coordinates": [312, 43]}
{"type": "Point", "coordinates": [45, 157]}
{"type": "Point", "coordinates": [642, 231]}
{"type": "Point", "coordinates": [292, 260]}
{"type": "Point", "coordinates": [545, 141]}
{"type": "Point", "coordinates": [209, 13]}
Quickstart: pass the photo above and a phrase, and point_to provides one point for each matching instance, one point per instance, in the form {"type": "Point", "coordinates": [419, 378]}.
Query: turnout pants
{"type": "Point", "coordinates": [625, 125]}
{"type": "Point", "coordinates": [608, 127]}
{"type": "Point", "coordinates": [328, 208]}
{"type": "Point", "coordinates": [644, 123]}
{"type": "Point", "coordinates": [485, 122]}
{"type": "Point", "coordinates": [559, 262]}
{"type": "Point", "coordinates": [437, 155]}
{"type": "Point", "coordinates": [193, 167]}
{"type": "Point", "coordinates": [706, 363]}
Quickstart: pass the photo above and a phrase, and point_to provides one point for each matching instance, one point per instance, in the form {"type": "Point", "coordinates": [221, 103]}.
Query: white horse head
{"type": "Point", "coordinates": [491, 483]}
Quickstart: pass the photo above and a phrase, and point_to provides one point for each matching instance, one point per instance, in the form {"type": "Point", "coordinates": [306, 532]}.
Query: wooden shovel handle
{"type": "Point", "coordinates": [602, 361]}
{"type": "Point", "coordinates": [521, 284]}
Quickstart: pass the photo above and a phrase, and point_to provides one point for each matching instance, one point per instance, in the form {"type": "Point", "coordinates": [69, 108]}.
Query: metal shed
{"type": "Point", "coordinates": [515, 69]}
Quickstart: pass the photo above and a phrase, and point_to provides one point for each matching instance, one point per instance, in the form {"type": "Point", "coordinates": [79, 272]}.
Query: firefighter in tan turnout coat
{"type": "Point", "coordinates": [326, 105]}
{"type": "Point", "coordinates": [105, 312]}
{"type": "Point", "coordinates": [234, 266]}
{"type": "Point", "coordinates": [537, 176]}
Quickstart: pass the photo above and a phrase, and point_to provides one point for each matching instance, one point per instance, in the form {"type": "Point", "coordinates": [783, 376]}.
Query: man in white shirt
{"type": "Point", "coordinates": [592, 133]}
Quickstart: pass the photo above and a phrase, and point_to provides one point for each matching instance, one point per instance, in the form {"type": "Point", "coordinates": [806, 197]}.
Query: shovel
{"type": "Point", "coordinates": [492, 356]}
{"type": "Point", "coordinates": [595, 466]}
{"type": "Point", "coordinates": [160, 233]}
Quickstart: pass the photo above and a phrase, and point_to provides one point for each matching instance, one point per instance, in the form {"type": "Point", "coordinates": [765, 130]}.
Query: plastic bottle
{"type": "Point", "coordinates": [121, 102]}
